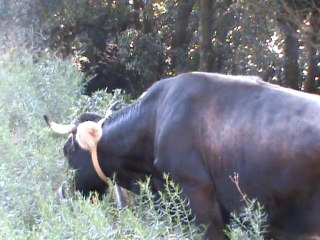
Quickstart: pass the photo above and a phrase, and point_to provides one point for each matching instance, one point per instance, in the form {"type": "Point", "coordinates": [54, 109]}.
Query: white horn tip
{"type": "Point", "coordinates": [58, 128]}
{"type": "Point", "coordinates": [47, 119]}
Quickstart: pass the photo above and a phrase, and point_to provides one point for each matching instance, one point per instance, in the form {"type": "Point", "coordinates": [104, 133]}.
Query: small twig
{"type": "Point", "coordinates": [235, 180]}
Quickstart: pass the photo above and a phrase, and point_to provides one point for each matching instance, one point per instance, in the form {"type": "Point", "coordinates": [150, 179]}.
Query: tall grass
{"type": "Point", "coordinates": [31, 160]}
{"type": "Point", "coordinates": [32, 164]}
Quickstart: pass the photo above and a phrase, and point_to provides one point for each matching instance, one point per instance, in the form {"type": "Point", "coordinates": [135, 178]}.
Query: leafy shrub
{"type": "Point", "coordinates": [32, 164]}
{"type": "Point", "coordinates": [251, 222]}
{"type": "Point", "coordinates": [168, 215]}
{"type": "Point", "coordinates": [30, 157]}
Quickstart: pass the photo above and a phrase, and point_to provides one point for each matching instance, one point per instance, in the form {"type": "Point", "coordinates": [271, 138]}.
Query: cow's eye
{"type": "Point", "coordinates": [74, 131]}
{"type": "Point", "coordinates": [72, 146]}
{"type": "Point", "coordinates": [69, 147]}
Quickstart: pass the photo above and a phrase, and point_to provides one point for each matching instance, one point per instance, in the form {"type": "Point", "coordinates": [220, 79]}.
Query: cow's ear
{"type": "Point", "coordinates": [88, 134]}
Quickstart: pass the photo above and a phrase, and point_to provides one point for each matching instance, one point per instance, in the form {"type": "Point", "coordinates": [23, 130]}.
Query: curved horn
{"type": "Point", "coordinates": [111, 108]}
{"type": "Point", "coordinates": [59, 128]}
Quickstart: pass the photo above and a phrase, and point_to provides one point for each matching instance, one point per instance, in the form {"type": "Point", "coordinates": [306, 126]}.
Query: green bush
{"type": "Point", "coordinates": [251, 223]}
{"type": "Point", "coordinates": [32, 164]}
{"type": "Point", "coordinates": [31, 159]}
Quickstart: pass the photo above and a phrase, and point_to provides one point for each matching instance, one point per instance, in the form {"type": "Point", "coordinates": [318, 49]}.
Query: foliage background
{"type": "Point", "coordinates": [129, 44]}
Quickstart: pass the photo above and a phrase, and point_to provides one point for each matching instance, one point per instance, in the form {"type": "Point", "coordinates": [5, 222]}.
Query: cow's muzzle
{"type": "Point", "coordinates": [64, 189]}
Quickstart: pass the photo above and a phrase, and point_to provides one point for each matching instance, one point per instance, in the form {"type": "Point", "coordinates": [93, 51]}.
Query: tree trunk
{"type": "Point", "coordinates": [222, 28]}
{"type": "Point", "coordinates": [181, 37]}
{"type": "Point", "coordinates": [148, 23]}
{"type": "Point", "coordinates": [205, 31]}
{"type": "Point", "coordinates": [310, 85]}
{"type": "Point", "coordinates": [291, 67]}
{"type": "Point", "coordinates": [137, 6]}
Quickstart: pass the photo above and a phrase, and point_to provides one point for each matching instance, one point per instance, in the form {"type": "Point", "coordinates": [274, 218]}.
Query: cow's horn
{"type": "Point", "coordinates": [111, 108]}
{"type": "Point", "coordinates": [59, 128]}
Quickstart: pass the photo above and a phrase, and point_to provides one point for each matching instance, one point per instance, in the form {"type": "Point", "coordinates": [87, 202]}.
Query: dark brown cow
{"type": "Point", "coordinates": [201, 128]}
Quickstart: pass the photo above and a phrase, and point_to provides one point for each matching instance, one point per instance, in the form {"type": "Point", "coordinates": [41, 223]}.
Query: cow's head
{"type": "Point", "coordinates": [84, 132]}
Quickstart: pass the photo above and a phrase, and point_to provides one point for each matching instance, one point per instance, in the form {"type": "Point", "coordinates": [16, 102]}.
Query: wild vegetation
{"type": "Point", "coordinates": [32, 164]}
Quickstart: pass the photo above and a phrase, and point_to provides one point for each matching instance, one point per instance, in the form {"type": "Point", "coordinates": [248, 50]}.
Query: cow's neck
{"type": "Point", "coordinates": [126, 148]}
{"type": "Point", "coordinates": [128, 137]}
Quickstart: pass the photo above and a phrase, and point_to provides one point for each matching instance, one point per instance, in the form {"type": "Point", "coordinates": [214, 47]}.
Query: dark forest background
{"type": "Point", "coordinates": [130, 44]}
